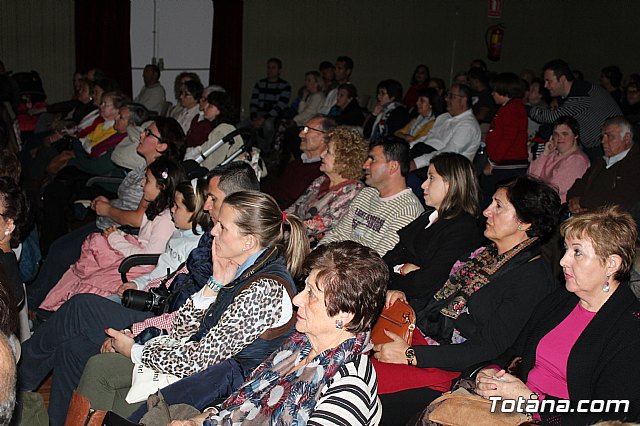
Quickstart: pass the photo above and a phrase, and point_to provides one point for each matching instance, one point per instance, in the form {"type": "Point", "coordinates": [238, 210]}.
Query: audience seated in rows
{"type": "Point", "coordinates": [232, 324]}
{"type": "Point", "coordinates": [84, 317]}
{"type": "Point", "coordinates": [364, 223]}
{"type": "Point", "coordinates": [163, 137]}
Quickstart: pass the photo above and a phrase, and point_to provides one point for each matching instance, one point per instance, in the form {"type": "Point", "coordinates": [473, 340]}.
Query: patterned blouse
{"type": "Point", "coordinates": [322, 206]}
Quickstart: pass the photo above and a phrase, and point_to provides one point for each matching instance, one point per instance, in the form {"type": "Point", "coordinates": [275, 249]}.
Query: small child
{"type": "Point", "coordinates": [191, 219]}
{"type": "Point", "coordinates": [97, 269]}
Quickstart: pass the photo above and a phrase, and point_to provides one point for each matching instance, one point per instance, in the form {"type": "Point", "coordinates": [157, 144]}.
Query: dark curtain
{"type": "Point", "coordinates": [102, 38]}
{"type": "Point", "coordinates": [226, 48]}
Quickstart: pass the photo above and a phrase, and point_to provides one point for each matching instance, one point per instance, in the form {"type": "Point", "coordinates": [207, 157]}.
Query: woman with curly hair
{"type": "Point", "coordinates": [327, 199]}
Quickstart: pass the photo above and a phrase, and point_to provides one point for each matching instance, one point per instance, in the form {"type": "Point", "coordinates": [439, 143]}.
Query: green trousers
{"type": "Point", "coordinates": [106, 380]}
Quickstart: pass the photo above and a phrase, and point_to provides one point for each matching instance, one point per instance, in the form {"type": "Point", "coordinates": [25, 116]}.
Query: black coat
{"type": "Point", "coordinates": [434, 250]}
{"type": "Point", "coordinates": [603, 363]}
{"type": "Point", "coordinates": [496, 315]}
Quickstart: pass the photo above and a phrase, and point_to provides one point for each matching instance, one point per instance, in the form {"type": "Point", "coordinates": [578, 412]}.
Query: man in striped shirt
{"type": "Point", "coordinates": [588, 103]}
{"type": "Point", "coordinates": [380, 210]}
{"type": "Point", "coordinates": [270, 97]}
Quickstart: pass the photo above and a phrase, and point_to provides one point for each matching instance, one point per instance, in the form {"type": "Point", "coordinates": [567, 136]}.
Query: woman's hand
{"type": "Point", "coordinates": [120, 342]}
{"type": "Point", "coordinates": [550, 147]}
{"type": "Point", "coordinates": [53, 137]}
{"type": "Point", "coordinates": [391, 352]}
{"type": "Point", "coordinates": [406, 136]}
{"type": "Point", "coordinates": [110, 230]}
{"type": "Point", "coordinates": [487, 170]}
{"type": "Point", "coordinates": [408, 268]}
{"type": "Point", "coordinates": [393, 295]}
{"type": "Point", "coordinates": [224, 270]}
{"type": "Point", "coordinates": [107, 346]}
{"type": "Point", "coordinates": [126, 286]}
{"type": "Point", "coordinates": [377, 109]}
{"type": "Point", "coordinates": [500, 383]}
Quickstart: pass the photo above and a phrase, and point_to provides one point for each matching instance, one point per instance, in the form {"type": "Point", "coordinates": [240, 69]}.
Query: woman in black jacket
{"type": "Point", "coordinates": [447, 231]}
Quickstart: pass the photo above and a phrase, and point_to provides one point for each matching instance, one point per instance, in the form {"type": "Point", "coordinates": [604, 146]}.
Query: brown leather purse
{"type": "Point", "coordinates": [399, 318]}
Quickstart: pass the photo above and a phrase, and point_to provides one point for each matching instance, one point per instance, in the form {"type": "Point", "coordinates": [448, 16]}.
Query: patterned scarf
{"type": "Point", "coordinates": [468, 277]}
{"type": "Point", "coordinates": [271, 396]}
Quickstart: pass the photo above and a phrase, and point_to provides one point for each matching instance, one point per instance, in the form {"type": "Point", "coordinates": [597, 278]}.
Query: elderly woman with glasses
{"type": "Point", "coordinates": [327, 199]}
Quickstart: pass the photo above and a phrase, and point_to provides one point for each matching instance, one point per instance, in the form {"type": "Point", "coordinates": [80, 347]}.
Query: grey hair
{"type": "Point", "coordinates": [625, 126]}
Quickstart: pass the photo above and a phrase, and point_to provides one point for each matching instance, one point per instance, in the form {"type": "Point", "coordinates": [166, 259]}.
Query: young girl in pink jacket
{"type": "Point", "coordinates": [97, 269]}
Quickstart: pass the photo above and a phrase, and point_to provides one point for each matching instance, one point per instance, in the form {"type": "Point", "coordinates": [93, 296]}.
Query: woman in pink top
{"type": "Point", "coordinates": [562, 161]}
{"type": "Point", "coordinates": [580, 348]}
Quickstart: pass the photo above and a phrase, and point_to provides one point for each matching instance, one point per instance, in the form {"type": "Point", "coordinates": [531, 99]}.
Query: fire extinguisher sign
{"type": "Point", "coordinates": [494, 8]}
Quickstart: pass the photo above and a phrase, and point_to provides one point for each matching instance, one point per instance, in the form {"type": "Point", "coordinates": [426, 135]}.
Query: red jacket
{"type": "Point", "coordinates": [507, 137]}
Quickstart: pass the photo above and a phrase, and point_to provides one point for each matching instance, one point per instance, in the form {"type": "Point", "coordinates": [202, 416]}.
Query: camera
{"type": "Point", "coordinates": [155, 300]}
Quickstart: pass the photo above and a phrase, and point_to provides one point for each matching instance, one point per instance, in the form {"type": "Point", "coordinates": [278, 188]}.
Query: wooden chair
{"type": "Point", "coordinates": [81, 414]}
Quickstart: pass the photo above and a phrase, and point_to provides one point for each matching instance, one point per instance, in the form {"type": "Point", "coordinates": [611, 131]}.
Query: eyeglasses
{"type": "Point", "coordinates": [451, 95]}
{"type": "Point", "coordinates": [148, 132]}
{"type": "Point", "coordinates": [307, 129]}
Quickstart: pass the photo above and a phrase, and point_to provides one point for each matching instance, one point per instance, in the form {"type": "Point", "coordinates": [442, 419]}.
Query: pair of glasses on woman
{"type": "Point", "coordinates": [148, 132]}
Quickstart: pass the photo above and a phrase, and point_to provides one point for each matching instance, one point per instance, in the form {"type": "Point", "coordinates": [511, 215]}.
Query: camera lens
{"type": "Point", "coordinates": [136, 299]}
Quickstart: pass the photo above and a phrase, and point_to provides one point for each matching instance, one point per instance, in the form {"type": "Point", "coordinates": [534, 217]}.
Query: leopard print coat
{"type": "Point", "coordinates": [253, 311]}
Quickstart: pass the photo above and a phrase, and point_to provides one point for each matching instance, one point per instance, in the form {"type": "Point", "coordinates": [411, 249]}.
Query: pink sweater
{"type": "Point", "coordinates": [549, 374]}
{"type": "Point", "coordinates": [97, 269]}
{"type": "Point", "coordinates": [560, 171]}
